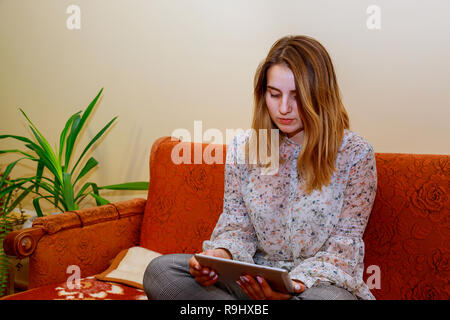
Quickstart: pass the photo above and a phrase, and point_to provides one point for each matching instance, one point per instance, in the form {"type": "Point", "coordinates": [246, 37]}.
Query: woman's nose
{"type": "Point", "coordinates": [285, 106]}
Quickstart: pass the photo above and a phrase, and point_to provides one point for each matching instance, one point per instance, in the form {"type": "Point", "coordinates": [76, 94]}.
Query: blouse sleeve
{"type": "Point", "coordinates": [340, 260]}
{"type": "Point", "coordinates": [234, 230]}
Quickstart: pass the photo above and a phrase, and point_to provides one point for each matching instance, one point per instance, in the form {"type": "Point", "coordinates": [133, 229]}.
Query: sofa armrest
{"type": "Point", "coordinates": [22, 243]}
{"type": "Point", "coordinates": [88, 238]}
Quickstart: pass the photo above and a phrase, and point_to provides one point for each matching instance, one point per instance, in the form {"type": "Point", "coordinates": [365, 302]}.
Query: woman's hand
{"type": "Point", "coordinates": [204, 275]}
{"type": "Point", "coordinates": [259, 289]}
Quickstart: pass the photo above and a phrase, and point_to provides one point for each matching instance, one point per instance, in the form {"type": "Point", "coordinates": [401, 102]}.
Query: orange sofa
{"type": "Point", "coordinates": [407, 238]}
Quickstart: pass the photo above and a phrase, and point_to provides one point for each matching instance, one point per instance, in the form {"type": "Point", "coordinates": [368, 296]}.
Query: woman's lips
{"type": "Point", "coordinates": [286, 121]}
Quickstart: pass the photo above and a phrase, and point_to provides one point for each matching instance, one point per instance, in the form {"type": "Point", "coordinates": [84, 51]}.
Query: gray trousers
{"type": "Point", "coordinates": [167, 277]}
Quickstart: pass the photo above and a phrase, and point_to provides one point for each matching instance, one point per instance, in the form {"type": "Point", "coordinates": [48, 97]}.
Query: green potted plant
{"type": "Point", "coordinates": [61, 189]}
{"type": "Point", "coordinates": [9, 221]}
{"type": "Point", "coordinates": [5, 227]}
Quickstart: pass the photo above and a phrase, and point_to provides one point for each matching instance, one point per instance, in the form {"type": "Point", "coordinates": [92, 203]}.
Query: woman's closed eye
{"type": "Point", "coordinates": [277, 95]}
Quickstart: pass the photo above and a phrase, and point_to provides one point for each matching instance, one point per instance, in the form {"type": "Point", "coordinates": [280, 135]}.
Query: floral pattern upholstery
{"type": "Point", "coordinates": [90, 248]}
{"type": "Point", "coordinates": [184, 201]}
{"type": "Point", "coordinates": [88, 289]}
{"type": "Point", "coordinates": [408, 234]}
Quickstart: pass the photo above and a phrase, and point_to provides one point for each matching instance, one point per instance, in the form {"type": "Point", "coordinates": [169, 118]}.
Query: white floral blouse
{"type": "Point", "coordinates": [269, 220]}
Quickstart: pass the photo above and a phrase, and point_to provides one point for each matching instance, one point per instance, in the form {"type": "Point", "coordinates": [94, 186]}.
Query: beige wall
{"type": "Point", "coordinates": [164, 64]}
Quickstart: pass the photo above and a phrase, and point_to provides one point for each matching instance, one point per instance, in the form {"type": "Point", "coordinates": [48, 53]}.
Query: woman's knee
{"type": "Point", "coordinates": [162, 270]}
{"type": "Point", "coordinates": [154, 269]}
{"type": "Point", "coordinates": [326, 291]}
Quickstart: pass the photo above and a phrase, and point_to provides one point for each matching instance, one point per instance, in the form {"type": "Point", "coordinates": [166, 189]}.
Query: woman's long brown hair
{"type": "Point", "coordinates": [319, 102]}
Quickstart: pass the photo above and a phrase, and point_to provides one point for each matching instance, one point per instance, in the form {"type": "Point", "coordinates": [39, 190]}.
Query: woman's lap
{"type": "Point", "coordinates": [167, 277]}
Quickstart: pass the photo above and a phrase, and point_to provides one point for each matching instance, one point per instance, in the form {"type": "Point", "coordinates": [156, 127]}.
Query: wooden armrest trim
{"type": "Point", "coordinates": [21, 243]}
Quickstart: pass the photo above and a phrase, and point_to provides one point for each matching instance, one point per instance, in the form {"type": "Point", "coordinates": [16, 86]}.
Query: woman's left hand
{"type": "Point", "coordinates": [258, 289]}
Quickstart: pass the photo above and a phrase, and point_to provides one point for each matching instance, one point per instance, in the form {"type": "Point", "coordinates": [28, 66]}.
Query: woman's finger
{"type": "Point", "coordinates": [252, 287]}
{"type": "Point", "coordinates": [298, 287]}
{"type": "Point", "coordinates": [203, 275]}
{"type": "Point", "coordinates": [207, 273]}
{"type": "Point", "coordinates": [196, 273]}
{"type": "Point", "coordinates": [244, 289]}
{"type": "Point", "coordinates": [210, 281]}
{"type": "Point", "coordinates": [265, 287]}
{"type": "Point", "coordinates": [194, 266]}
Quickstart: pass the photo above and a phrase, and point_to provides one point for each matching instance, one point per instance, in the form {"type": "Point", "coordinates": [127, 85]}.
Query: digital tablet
{"type": "Point", "coordinates": [229, 272]}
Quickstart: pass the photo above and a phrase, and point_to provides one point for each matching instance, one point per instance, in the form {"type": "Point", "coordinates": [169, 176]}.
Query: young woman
{"type": "Point", "coordinates": [308, 217]}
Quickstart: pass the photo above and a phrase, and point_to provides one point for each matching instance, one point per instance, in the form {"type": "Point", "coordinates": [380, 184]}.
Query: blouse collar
{"type": "Point", "coordinates": [288, 147]}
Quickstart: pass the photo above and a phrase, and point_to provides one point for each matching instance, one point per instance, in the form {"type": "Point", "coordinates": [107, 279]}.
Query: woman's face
{"type": "Point", "coordinates": [281, 100]}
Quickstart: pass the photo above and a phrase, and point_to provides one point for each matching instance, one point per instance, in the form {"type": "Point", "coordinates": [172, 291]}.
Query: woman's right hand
{"type": "Point", "coordinates": [204, 275]}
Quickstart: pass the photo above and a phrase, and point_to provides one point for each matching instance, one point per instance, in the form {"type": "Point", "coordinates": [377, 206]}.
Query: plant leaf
{"type": "Point", "coordinates": [68, 192]}
{"type": "Point", "coordinates": [141, 185]}
{"type": "Point", "coordinates": [55, 193]}
{"type": "Point", "coordinates": [37, 207]}
{"type": "Point", "coordinates": [100, 201]}
{"type": "Point", "coordinates": [24, 139]}
{"type": "Point", "coordinates": [5, 204]}
{"type": "Point", "coordinates": [62, 137]}
{"type": "Point", "coordinates": [29, 156]}
{"type": "Point", "coordinates": [57, 190]}
{"type": "Point", "coordinates": [97, 136]}
{"type": "Point", "coordinates": [46, 148]}
{"type": "Point", "coordinates": [8, 171]}
{"type": "Point", "coordinates": [80, 193]}
{"type": "Point", "coordinates": [91, 163]}
{"type": "Point", "coordinates": [43, 158]}
{"type": "Point", "coordinates": [12, 187]}
{"type": "Point", "coordinates": [70, 142]}
{"type": "Point", "coordinates": [39, 171]}
{"type": "Point", "coordinates": [77, 125]}
{"type": "Point", "coordinates": [47, 151]}
{"type": "Point", "coordinates": [95, 191]}
{"type": "Point", "coordinates": [39, 136]}
{"type": "Point", "coordinates": [19, 199]}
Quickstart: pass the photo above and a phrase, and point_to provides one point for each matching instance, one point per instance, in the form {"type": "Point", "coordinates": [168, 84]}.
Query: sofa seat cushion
{"type": "Point", "coordinates": [128, 267]}
{"type": "Point", "coordinates": [90, 289]}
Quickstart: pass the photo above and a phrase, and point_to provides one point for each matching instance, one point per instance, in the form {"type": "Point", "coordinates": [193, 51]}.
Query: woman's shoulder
{"type": "Point", "coordinates": [355, 146]}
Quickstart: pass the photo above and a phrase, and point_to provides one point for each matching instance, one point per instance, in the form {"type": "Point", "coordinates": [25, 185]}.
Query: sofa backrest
{"type": "Point", "coordinates": [184, 201]}
{"type": "Point", "coordinates": [407, 237]}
